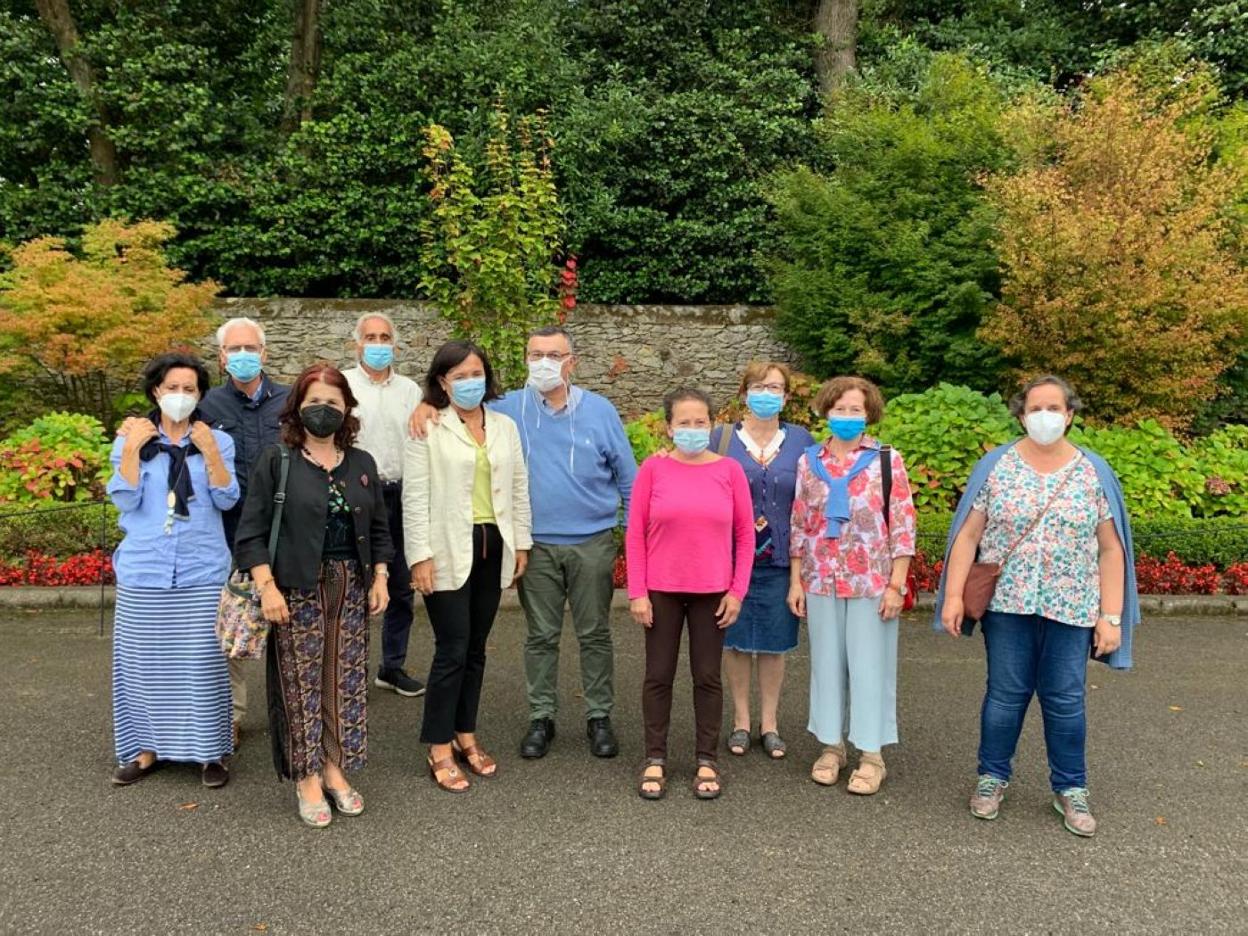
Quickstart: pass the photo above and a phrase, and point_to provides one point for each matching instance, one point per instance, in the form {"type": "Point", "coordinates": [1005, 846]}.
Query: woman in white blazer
{"type": "Point", "coordinates": [467, 535]}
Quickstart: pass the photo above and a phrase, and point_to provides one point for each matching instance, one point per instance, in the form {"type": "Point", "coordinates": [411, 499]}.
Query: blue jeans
{"type": "Point", "coordinates": [1029, 654]}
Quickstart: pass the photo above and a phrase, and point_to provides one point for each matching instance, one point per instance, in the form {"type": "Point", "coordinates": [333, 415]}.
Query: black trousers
{"type": "Point", "coordinates": [396, 625]}
{"type": "Point", "coordinates": [461, 621]}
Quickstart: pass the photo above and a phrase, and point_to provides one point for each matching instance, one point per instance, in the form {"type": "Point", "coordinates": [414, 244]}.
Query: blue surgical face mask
{"type": "Point", "coordinates": [378, 356]}
{"type": "Point", "coordinates": [763, 403]}
{"type": "Point", "coordinates": [243, 365]}
{"type": "Point", "coordinates": [692, 441]}
{"type": "Point", "coordinates": [468, 392]}
{"type": "Point", "coordinates": [847, 428]}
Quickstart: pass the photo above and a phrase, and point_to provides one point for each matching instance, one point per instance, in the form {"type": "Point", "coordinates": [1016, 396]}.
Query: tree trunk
{"type": "Point", "coordinates": [837, 22]}
{"type": "Point", "coordinates": [57, 17]}
{"type": "Point", "coordinates": [305, 64]}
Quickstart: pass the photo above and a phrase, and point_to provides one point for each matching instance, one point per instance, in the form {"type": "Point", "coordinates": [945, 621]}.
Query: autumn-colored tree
{"type": "Point", "coordinates": [83, 326]}
{"type": "Point", "coordinates": [1119, 248]}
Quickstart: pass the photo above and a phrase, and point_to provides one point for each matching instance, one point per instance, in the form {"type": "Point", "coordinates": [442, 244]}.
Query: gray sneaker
{"type": "Point", "coordinates": [1073, 805]}
{"type": "Point", "coordinates": [989, 792]}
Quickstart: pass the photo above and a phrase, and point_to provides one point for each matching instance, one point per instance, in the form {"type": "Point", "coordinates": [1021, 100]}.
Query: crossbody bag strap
{"type": "Point", "coordinates": [886, 481]}
{"type": "Point", "coordinates": [725, 438]}
{"type": "Point", "coordinates": [279, 500]}
{"type": "Point", "coordinates": [1040, 516]}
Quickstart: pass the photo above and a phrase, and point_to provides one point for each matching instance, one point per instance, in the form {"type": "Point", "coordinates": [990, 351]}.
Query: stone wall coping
{"type": "Point", "coordinates": [87, 597]}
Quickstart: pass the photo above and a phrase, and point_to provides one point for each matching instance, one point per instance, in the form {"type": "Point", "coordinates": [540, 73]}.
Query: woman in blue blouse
{"type": "Point", "coordinates": [768, 450]}
{"type": "Point", "coordinates": [172, 478]}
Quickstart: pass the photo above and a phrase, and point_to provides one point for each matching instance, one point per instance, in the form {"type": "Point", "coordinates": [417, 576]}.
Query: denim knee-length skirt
{"type": "Point", "coordinates": [766, 624]}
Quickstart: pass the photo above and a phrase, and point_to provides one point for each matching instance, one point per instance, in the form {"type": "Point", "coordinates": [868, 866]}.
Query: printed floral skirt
{"type": "Point", "coordinates": [318, 675]}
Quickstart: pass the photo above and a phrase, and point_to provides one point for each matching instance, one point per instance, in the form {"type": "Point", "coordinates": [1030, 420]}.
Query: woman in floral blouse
{"type": "Point", "coordinates": [1053, 515]}
{"type": "Point", "coordinates": [850, 553]}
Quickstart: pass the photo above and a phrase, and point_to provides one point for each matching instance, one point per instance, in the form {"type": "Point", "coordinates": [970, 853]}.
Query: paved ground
{"type": "Point", "coordinates": [564, 844]}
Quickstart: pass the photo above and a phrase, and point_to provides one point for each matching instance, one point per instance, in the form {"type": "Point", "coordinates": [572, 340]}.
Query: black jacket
{"type": "Point", "coordinates": [302, 534]}
{"type": "Point", "coordinates": [253, 426]}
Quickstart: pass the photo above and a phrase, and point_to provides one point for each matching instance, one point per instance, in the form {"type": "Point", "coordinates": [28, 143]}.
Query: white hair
{"type": "Point", "coordinates": [224, 329]}
{"type": "Point", "coordinates": [358, 331]}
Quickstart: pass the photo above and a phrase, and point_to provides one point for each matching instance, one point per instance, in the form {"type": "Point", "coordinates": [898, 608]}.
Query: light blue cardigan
{"type": "Point", "coordinates": [1120, 658]}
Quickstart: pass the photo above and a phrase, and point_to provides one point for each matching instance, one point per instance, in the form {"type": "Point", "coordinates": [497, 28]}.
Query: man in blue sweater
{"type": "Point", "coordinates": [581, 471]}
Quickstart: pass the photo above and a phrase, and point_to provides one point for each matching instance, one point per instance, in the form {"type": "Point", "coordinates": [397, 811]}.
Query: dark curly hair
{"type": "Point", "coordinates": [293, 433]}
{"type": "Point", "coordinates": [158, 369]}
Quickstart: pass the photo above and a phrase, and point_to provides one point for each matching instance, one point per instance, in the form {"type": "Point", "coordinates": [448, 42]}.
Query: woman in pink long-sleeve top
{"type": "Point", "coordinates": [690, 548]}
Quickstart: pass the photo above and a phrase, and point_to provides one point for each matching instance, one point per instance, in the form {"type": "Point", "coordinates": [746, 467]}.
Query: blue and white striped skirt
{"type": "Point", "coordinates": [171, 682]}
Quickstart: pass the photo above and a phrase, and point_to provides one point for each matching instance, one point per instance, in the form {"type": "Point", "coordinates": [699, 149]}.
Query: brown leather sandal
{"type": "Point", "coordinates": [698, 780]}
{"type": "Point", "coordinates": [660, 781]}
{"type": "Point", "coordinates": [452, 774]}
{"type": "Point", "coordinates": [829, 765]}
{"type": "Point", "coordinates": [476, 760]}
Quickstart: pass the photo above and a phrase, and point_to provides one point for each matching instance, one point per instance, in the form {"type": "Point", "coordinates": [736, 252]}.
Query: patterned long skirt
{"type": "Point", "coordinates": [318, 675]}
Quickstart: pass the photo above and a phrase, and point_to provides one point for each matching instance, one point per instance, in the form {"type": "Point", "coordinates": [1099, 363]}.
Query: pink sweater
{"type": "Point", "coordinates": [690, 528]}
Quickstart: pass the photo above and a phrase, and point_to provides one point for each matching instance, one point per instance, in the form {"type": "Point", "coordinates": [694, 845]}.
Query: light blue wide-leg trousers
{"type": "Point", "coordinates": [853, 672]}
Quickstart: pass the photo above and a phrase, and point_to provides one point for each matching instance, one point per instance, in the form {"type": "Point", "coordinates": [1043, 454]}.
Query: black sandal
{"type": "Point", "coordinates": [660, 781]}
{"type": "Point", "coordinates": [773, 744]}
{"type": "Point", "coordinates": [740, 738]}
{"type": "Point", "coordinates": [718, 780]}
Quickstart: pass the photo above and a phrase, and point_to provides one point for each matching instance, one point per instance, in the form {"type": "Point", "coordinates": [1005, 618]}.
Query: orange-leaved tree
{"type": "Point", "coordinates": [82, 326]}
{"type": "Point", "coordinates": [1123, 265]}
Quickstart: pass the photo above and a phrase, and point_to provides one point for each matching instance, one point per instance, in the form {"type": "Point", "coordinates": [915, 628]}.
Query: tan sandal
{"type": "Point", "coordinates": [866, 780]}
{"type": "Point", "coordinates": [448, 766]}
{"type": "Point", "coordinates": [475, 759]}
{"type": "Point", "coordinates": [828, 767]}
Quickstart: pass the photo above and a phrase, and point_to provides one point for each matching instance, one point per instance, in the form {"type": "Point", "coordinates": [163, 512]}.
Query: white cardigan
{"type": "Point", "coordinates": [438, 475]}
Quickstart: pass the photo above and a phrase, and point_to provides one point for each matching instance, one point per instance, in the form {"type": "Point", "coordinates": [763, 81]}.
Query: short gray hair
{"type": "Point", "coordinates": [550, 331]}
{"type": "Point", "coordinates": [224, 329]}
{"type": "Point", "coordinates": [1019, 401]}
{"type": "Point", "coordinates": [357, 332]}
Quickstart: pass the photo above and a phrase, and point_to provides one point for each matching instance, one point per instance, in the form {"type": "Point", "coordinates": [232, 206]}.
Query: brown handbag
{"type": "Point", "coordinates": [981, 581]}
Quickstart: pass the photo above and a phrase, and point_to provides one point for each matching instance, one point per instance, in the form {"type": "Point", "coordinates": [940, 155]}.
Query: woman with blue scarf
{"type": "Point", "coordinates": [1051, 515]}
{"type": "Point", "coordinates": [850, 548]}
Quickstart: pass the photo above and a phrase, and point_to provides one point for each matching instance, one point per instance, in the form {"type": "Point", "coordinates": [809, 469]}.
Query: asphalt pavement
{"type": "Point", "coordinates": [564, 845]}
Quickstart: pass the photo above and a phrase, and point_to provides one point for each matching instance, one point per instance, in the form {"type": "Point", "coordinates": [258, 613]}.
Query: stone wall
{"type": "Point", "coordinates": [632, 354]}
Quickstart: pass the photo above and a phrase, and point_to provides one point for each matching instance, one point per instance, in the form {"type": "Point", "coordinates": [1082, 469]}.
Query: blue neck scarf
{"type": "Point", "coordinates": [837, 509]}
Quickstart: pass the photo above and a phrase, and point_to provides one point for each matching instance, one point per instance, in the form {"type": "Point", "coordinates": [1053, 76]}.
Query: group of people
{"type": "Point", "coordinates": [382, 488]}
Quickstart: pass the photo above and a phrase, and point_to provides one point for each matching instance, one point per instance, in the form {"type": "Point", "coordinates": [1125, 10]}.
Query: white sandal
{"type": "Point", "coordinates": [348, 801]}
{"type": "Point", "coordinates": [317, 815]}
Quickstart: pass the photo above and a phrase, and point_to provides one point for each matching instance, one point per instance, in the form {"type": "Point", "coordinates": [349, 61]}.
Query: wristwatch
{"type": "Point", "coordinates": [901, 589]}
{"type": "Point", "coordinates": [1113, 620]}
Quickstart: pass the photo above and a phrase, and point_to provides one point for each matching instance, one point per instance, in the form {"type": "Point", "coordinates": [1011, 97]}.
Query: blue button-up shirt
{"type": "Point", "coordinates": [194, 552]}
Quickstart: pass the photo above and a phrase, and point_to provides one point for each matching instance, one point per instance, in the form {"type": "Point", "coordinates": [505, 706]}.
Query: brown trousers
{"type": "Point", "coordinates": [706, 649]}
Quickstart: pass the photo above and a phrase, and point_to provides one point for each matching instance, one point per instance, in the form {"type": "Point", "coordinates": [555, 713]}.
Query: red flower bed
{"type": "Point", "coordinates": [38, 569]}
{"type": "Point", "coordinates": [1170, 576]}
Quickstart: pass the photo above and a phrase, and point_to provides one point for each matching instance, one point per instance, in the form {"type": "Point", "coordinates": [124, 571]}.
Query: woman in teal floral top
{"type": "Point", "coordinates": [1044, 513]}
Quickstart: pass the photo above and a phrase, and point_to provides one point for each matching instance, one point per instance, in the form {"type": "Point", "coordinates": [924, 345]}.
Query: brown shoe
{"type": "Point", "coordinates": [828, 767]}
{"type": "Point", "coordinates": [866, 780]}
{"type": "Point", "coordinates": [988, 796]}
{"type": "Point", "coordinates": [215, 775]}
{"type": "Point", "coordinates": [132, 772]}
{"type": "Point", "coordinates": [1077, 816]}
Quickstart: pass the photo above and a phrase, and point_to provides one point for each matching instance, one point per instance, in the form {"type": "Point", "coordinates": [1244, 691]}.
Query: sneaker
{"type": "Point", "coordinates": [1076, 814]}
{"type": "Point", "coordinates": [989, 793]}
{"type": "Point", "coordinates": [400, 682]}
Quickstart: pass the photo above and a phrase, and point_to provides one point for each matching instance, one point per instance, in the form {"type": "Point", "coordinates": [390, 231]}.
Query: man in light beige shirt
{"type": "Point", "coordinates": [386, 399]}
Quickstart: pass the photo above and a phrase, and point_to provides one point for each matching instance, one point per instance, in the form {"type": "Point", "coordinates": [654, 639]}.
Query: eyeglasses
{"type": "Point", "coordinates": [234, 349]}
{"type": "Point", "coordinates": [766, 388]}
{"type": "Point", "coordinates": [557, 356]}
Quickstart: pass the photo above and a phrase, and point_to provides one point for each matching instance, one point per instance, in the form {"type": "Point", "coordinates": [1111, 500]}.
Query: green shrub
{"type": "Point", "coordinates": [1222, 461]}
{"type": "Point", "coordinates": [1159, 478]}
{"type": "Point", "coordinates": [59, 531]}
{"type": "Point", "coordinates": [1221, 542]}
{"type": "Point", "coordinates": [647, 434]}
{"type": "Point", "coordinates": [941, 433]}
{"type": "Point", "coordinates": [59, 457]}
